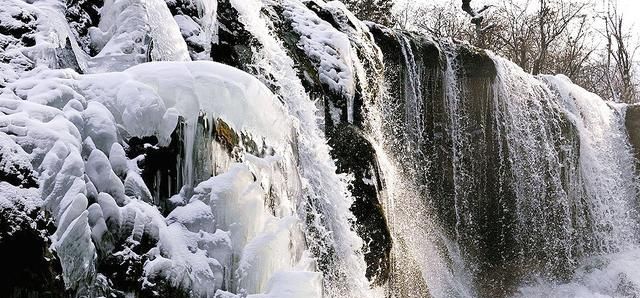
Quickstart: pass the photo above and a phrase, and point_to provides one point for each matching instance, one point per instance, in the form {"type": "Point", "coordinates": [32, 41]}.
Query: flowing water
{"type": "Point", "coordinates": [531, 190]}
{"type": "Point", "coordinates": [343, 159]}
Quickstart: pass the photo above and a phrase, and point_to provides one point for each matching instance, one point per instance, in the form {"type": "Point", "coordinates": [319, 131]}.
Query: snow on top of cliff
{"type": "Point", "coordinates": [162, 91]}
{"type": "Point", "coordinates": [131, 32]}
{"type": "Point", "coordinates": [220, 90]}
{"type": "Point", "coordinates": [325, 45]}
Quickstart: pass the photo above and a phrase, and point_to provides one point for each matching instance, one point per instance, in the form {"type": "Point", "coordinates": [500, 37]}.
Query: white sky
{"type": "Point", "coordinates": [631, 10]}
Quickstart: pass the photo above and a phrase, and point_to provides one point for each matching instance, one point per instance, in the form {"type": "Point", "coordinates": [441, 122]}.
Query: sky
{"type": "Point", "coordinates": [631, 10]}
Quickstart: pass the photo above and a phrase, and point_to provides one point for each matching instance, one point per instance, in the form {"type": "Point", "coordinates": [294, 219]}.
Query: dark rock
{"type": "Point", "coordinates": [82, 15]}
{"type": "Point", "coordinates": [633, 128]}
{"type": "Point", "coordinates": [28, 25]}
{"type": "Point", "coordinates": [430, 161]}
{"type": "Point", "coordinates": [356, 155]}
{"type": "Point", "coordinates": [351, 150]}
{"type": "Point", "coordinates": [235, 44]}
{"type": "Point", "coordinates": [476, 63]}
{"type": "Point", "coordinates": [17, 175]}
{"type": "Point", "coordinates": [66, 57]}
{"type": "Point", "coordinates": [30, 268]}
{"type": "Point", "coordinates": [160, 166]}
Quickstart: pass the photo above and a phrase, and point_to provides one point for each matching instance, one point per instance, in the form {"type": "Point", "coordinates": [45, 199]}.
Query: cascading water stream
{"type": "Point", "coordinates": [326, 200]}
{"type": "Point", "coordinates": [332, 158]}
{"type": "Point", "coordinates": [424, 261]}
{"type": "Point", "coordinates": [546, 144]}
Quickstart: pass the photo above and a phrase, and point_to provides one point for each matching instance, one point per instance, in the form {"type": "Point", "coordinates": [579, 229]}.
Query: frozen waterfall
{"type": "Point", "coordinates": [284, 148]}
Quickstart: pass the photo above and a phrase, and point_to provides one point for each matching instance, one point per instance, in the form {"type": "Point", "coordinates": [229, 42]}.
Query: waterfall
{"type": "Point", "coordinates": [425, 261]}
{"type": "Point", "coordinates": [495, 179]}
{"type": "Point", "coordinates": [284, 148]}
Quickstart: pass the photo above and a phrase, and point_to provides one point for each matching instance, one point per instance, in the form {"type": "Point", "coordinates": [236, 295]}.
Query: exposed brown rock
{"type": "Point", "coordinates": [633, 127]}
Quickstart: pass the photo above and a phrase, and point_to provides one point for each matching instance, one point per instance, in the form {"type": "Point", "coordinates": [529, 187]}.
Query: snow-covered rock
{"type": "Point", "coordinates": [101, 106]}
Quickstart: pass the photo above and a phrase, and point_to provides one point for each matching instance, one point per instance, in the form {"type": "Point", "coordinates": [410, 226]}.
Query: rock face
{"type": "Point", "coordinates": [326, 157]}
{"type": "Point", "coordinates": [463, 129]}
{"type": "Point", "coordinates": [352, 151]}
{"type": "Point", "coordinates": [33, 270]}
{"type": "Point", "coordinates": [36, 270]}
{"type": "Point", "coordinates": [432, 157]}
{"type": "Point", "coordinates": [632, 123]}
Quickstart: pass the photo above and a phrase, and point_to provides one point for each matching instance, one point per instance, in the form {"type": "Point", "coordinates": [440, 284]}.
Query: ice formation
{"type": "Point", "coordinates": [324, 157]}
{"type": "Point", "coordinates": [224, 233]}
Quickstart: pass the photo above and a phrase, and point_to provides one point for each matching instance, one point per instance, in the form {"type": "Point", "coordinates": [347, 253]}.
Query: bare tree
{"type": "Point", "coordinates": [517, 35]}
{"type": "Point", "coordinates": [575, 51]}
{"type": "Point", "coordinates": [442, 21]}
{"type": "Point", "coordinates": [545, 36]}
{"type": "Point", "coordinates": [553, 18]}
{"type": "Point", "coordinates": [407, 15]}
{"type": "Point", "coordinates": [620, 57]}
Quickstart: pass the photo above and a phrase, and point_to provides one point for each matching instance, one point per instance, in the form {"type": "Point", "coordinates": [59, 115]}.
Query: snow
{"type": "Point", "coordinates": [200, 30]}
{"type": "Point", "coordinates": [110, 210]}
{"type": "Point", "coordinates": [73, 211]}
{"type": "Point", "coordinates": [28, 198]}
{"type": "Point", "coordinates": [243, 229]}
{"type": "Point", "coordinates": [225, 232]}
{"type": "Point", "coordinates": [99, 125]}
{"type": "Point", "coordinates": [195, 216]}
{"type": "Point", "coordinates": [326, 201]}
{"type": "Point", "coordinates": [77, 253]}
{"type": "Point", "coordinates": [45, 24]}
{"type": "Point", "coordinates": [329, 48]}
{"type": "Point", "coordinates": [337, 52]}
{"type": "Point", "coordinates": [188, 27]}
{"type": "Point", "coordinates": [118, 160]}
{"type": "Point", "coordinates": [134, 187]}
{"type": "Point", "coordinates": [240, 99]}
{"type": "Point", "coordinates": [13, 158]}
{"type": "Point", "coordinates": [130, 31]}
{"type": "Point", "coordinates": [102, 176]}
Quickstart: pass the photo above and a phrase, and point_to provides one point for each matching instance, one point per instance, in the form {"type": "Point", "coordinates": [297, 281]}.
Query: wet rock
{"type": "Point", "coordinates": [235, 43]}
{"type": "Point", "coordinates": [226, 136]}
{"type": "Point", "coordinates": [66, 57]}
{"type": "Point", "coordinates": [31, 269]}
{"type": "Point", "coordinates": [160, 165]}
{"type": "Point", "coordinates": [633, 127]}
{"type": "Point", "coordinates": [82, 15]}
{"type": "Point", "coordinates": [476, 63]}
{"type": "Point", "coordinates": [355, 155]}
{"type": "Point", "coordinates": [483, 228]}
